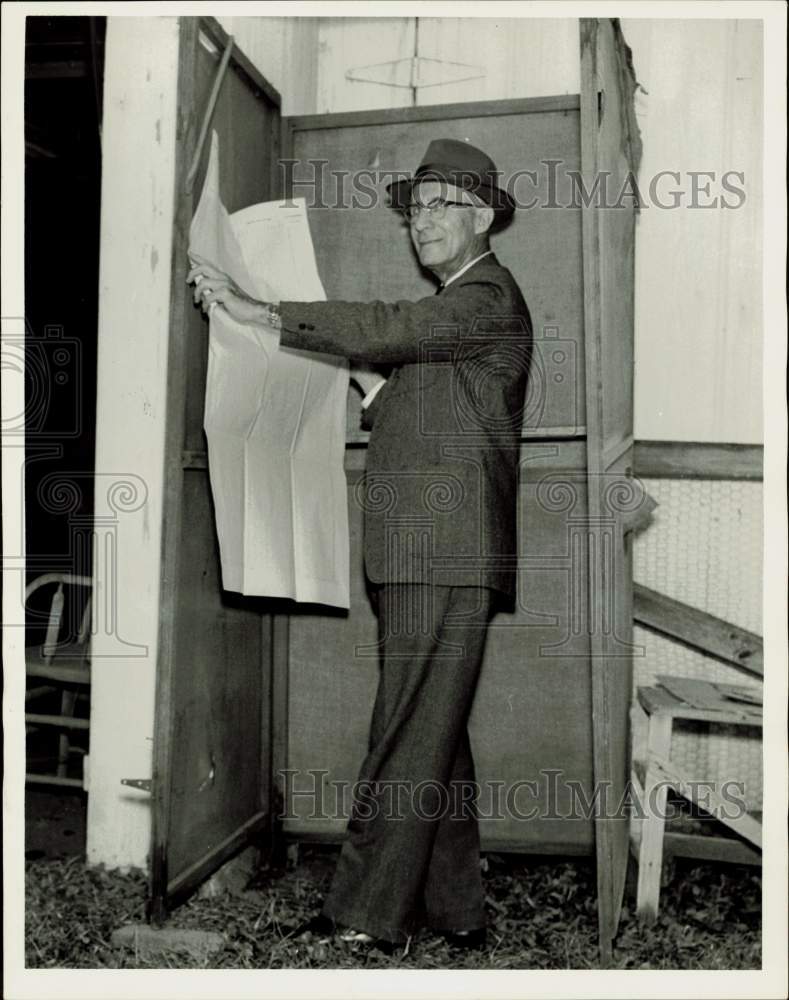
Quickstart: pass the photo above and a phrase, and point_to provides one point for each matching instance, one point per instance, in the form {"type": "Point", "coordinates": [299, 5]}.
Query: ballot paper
{"type": "Point", "coordinates": [274, 418]}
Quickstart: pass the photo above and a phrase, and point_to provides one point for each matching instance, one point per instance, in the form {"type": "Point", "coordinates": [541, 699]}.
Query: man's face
{"type": "Point", "coordinates": [442, 243]}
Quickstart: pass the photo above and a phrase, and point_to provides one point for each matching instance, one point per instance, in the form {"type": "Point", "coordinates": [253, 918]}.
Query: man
{"type": "Point", "coordinates": [440, 539]}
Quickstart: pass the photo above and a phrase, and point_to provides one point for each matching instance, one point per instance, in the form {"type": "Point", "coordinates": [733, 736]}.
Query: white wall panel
{"type": "Point", "coordinates": [518, 57]}
{"type": "Point", "coordinates": [698, 270]}
{"type": "Point", "coordinates": [137, 198]}
{"type": "Point", "coordinates": [352, 43]}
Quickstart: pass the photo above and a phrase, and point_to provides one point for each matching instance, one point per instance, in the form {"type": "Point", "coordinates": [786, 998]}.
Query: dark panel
{"type": "Point", "coordinates": [531, 720]}
{"type": "Point", "coordinates": [531, 716]}
{"type": "Point", "coordinates": [364, 251]}
{"type": "Point", "coordinates": [217, 725]}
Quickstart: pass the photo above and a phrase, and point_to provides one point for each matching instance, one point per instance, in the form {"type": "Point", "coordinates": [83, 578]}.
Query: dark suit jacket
{"type": "Point", "coordinates": [440, 490]}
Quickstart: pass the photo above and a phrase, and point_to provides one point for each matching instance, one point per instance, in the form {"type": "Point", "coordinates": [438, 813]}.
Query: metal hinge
{"type": "Point", "coordinates": [144, 784]}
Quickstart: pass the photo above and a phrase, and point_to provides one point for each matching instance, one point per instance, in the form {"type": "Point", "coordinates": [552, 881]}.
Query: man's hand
{"type": "Point", "coordinates": [213, 286]}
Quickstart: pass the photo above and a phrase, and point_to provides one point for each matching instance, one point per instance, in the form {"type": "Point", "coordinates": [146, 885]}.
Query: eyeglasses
{"type": "Point", "coordinates": [435, 209]}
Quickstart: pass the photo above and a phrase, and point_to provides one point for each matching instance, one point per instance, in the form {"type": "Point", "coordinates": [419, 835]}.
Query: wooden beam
{"type": "Point", "coordinates": [53, 779]}
{"type": "Point", "coordinates": [698, 629]}
{"type": "Point", "coordinates": [705, 848]}
{"type": "Point", "coordinates": [72, 69]}
{"type": "Point", "coordinates": [59, 721]}
{"type": "Point", "coordinates": [442, 112]}
{"type": "Point", "coordinates": [697, 460]}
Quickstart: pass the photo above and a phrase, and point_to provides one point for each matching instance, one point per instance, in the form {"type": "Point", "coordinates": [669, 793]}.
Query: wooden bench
{"type": "Point", "coordinates": [683, 698]}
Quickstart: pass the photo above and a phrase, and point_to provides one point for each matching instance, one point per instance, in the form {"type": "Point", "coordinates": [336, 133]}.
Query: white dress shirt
{"type": "Point", "coordinates": [377, 388]}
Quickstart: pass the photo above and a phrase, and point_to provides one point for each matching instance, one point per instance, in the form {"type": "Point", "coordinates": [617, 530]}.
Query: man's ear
{"type": "Point", "coordinates": [483, 219]}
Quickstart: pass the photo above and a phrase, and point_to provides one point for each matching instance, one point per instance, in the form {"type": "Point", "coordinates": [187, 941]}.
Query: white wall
{"type": "Point", "coordinates": [134, 301]}
{"type": "Point", "coordinates": [699, 271]}
{"type": "Point", "coordinates": [483, 59]}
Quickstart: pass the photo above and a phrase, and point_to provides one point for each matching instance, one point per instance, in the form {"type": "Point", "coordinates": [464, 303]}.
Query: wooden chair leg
{"type": "Point", "coordinates": [67, 702]}
{"type": "Point", "coordinates": [650, 853]}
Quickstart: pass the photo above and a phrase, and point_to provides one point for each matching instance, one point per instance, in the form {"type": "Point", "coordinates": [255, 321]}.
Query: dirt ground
{"type": "Point", "coordinates": [541, 913]}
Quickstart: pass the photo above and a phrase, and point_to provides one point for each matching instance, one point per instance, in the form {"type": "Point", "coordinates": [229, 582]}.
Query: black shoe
{"type": "Point", "coordinates": [467, 940]}
{"type": "Point", "coordinates": [318, 926]}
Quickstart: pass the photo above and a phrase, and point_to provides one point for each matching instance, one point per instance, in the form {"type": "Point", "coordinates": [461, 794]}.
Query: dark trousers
{"type": "Point", "coordinates": [412, 848]}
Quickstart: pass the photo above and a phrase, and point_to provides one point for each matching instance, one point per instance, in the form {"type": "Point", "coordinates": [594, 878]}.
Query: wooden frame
{"type": "Point", "coordinates": [609, 147]}
{"type": "Point", "coordinates": [698, 460]}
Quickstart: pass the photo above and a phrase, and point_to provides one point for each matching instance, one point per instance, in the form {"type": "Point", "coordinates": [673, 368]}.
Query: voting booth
{"type": "Point", "coordinates": [264, 705]}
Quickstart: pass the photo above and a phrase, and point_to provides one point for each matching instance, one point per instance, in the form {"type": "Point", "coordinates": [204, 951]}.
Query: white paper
{"type": "Point", "coordinates": [274, 418]}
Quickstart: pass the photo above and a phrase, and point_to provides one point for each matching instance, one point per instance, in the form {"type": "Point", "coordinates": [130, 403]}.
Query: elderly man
{"type": "Point", "coordinates": [440, 540]}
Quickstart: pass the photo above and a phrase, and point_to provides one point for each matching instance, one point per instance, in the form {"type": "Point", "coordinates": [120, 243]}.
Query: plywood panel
{"type": "Point", "coordinates": [352, 43]}
{"type": "Point", "coordinates": [216, 772]}
{"type": "Point", "coordinates": [364, 251]}
{"type": "Point", "coordinates": [515, 56]}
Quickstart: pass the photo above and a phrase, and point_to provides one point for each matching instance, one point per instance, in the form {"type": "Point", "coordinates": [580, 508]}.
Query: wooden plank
{"type": "Point", "coordinates": [650, 851]}
{"type": "Point", "coordinates": [436, 112]}
{"type": "Point", "coordinates": [698, 460]}
{"type": "Point", "coordinates": [172, 500]}
{"type": "Point", "coordinates": [744, 825]}
{"type": "Point", "coordinates": [698, 629]}
{"type": "Point", "coordinates": [563, 433]}
{"type": "Point", "coordinates": [74, 674]}
{"type": "Point", "coordinates": [61, 721]}
{"type": "Point", "coordinates": [651, 459]}
{"type": "Point", "coordinates": [607, 239]}
{"type": "Point", "coordinates": [488, 843]}
{"type": "Point", "coordinates": [187, 880]}
{"type": "Point", "coordinates": [704, 695]}
{"type": "Point", "coordinates": [656, 700]}
{"type": "Point", "coordinates": [66, 69]}
{"type": "Point", "coordinates": [53, 779]}
{"type": "Point", "coordinates": [686, 845]}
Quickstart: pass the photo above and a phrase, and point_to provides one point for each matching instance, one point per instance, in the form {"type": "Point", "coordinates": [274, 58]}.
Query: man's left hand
{"type": "Point", "coordinates": [214, 286]}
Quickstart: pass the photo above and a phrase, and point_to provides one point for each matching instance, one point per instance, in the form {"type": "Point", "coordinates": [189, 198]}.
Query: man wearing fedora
{"type": "Point", "coordinates": [440, 540]}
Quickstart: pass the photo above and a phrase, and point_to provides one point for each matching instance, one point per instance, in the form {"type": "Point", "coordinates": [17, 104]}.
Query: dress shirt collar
{"type": "Point", "coordinates": [465, 268]}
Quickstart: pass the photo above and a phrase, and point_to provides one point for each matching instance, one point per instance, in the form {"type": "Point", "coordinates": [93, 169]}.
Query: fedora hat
{"type": "Point", "coordinates": [465, 166]}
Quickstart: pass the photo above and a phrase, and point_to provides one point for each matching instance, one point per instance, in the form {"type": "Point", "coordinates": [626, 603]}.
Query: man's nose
{"type": "Point", "coordinates": [421, 221]}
